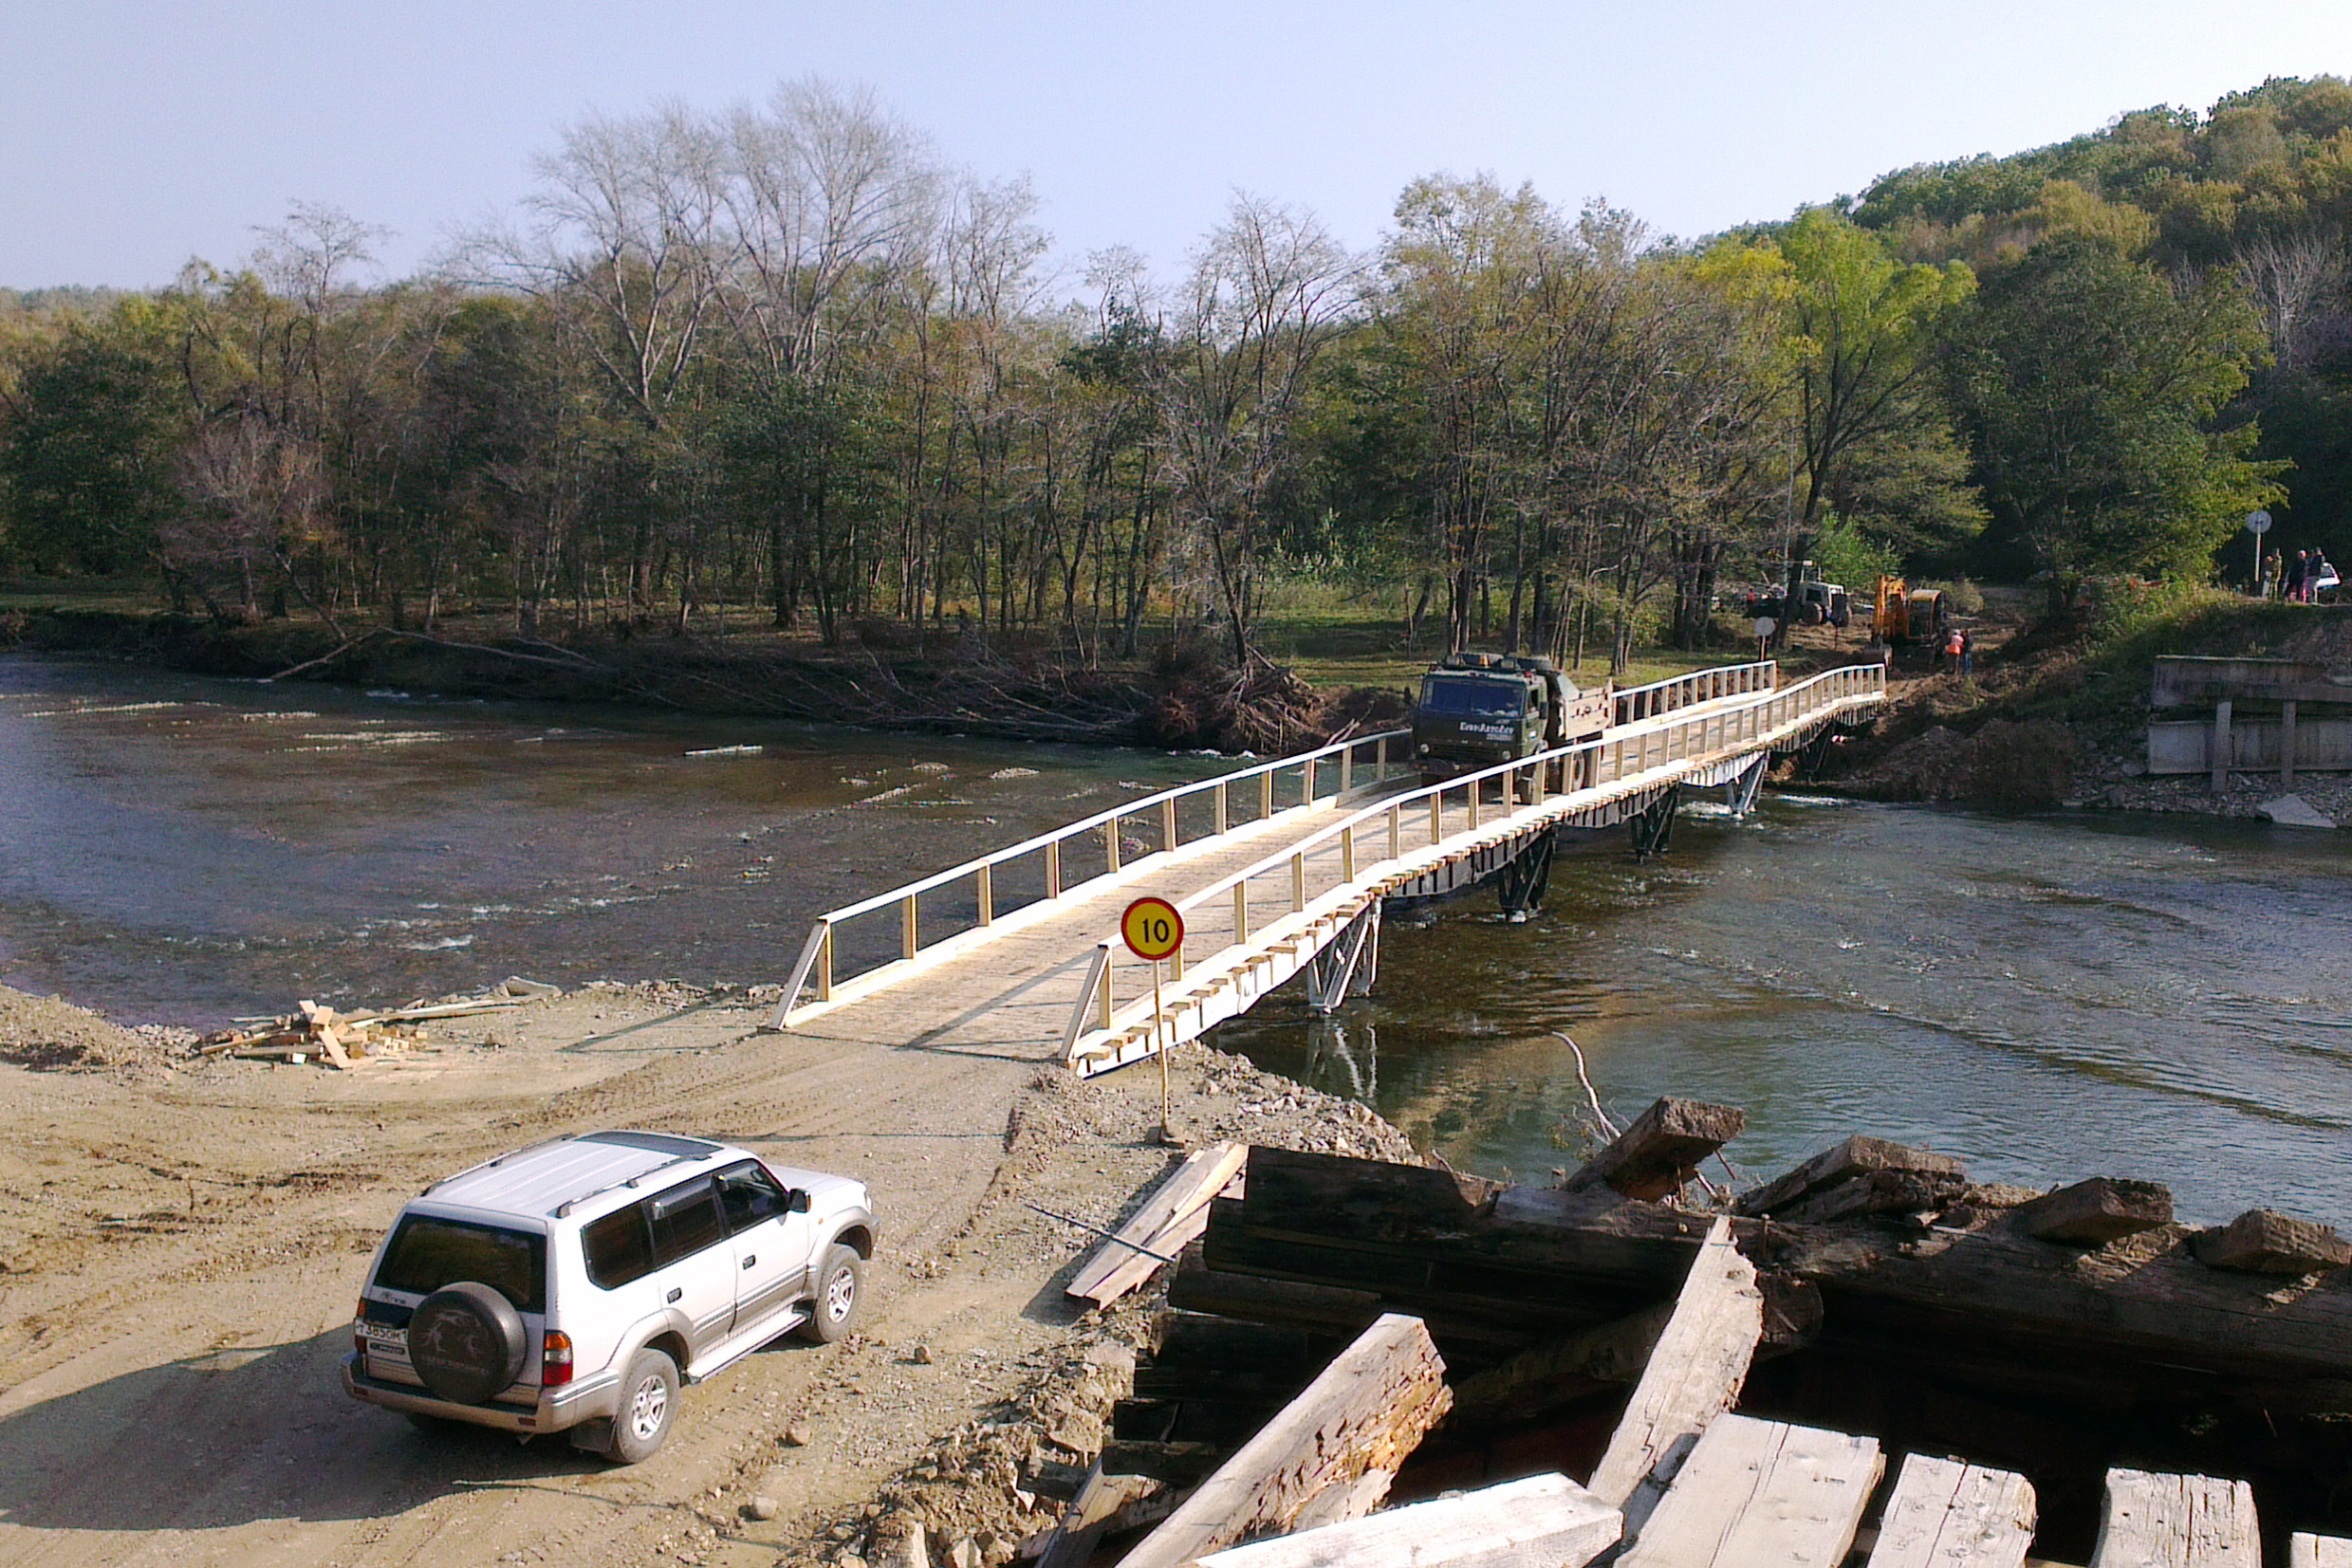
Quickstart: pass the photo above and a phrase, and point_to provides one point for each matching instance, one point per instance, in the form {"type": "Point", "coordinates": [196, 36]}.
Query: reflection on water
{"type": "Point", "coordinates": [182, 849]}
{"type": "Point", "coordinates": [2049, 998]}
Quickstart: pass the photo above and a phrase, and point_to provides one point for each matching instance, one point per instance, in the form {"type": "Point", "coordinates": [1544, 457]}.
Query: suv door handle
{"type": "Point", "coordinates": [749, 1262]}
{"type": "Point", "coordinates": [675, 1294]}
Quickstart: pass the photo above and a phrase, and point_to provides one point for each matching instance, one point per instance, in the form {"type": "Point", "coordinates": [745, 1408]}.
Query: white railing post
{"type": "Point", "coordinates": [1241, 911]}
{"type": "Point", "coordinates": [1110, 840]}
{"type": "Point", "coordinates": [907, 943]}
{"type": "Point", "coordinates": [1221, 822]}
{"type": "Point", "coordinates": [1347, 767]}
{"type": "Point", "coordinates": [986, 896]}
{"type": "Point", "coordinates": [1266, 793]}
{"type": "Point", "coordinates": [1053, 869]}
{"type": "Point", "coordinates": [1298, 883]}
{"type": "Point", "coordinates": [1380, 757]}
{"type": "Point", "coordinates": [1396, 832]}
{"type": "Point", "coordinates": [1168, 825]}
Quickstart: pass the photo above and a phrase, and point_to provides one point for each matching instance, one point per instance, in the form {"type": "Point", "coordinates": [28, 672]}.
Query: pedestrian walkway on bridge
{"type": "Point", "coordinates": [1280, 868]}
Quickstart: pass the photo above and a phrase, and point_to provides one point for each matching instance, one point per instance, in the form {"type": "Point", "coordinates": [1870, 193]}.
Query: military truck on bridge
{"type": "Point", "coordinates": [1479, 711]}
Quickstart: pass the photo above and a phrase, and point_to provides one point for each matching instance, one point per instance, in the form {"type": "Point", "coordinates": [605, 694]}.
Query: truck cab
{"type": "Point", "coordinates": [1478, 711]}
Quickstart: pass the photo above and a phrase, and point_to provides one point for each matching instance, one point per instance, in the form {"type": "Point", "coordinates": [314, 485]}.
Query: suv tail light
{"type": "Point", "coordinates": [358, 1326]}
{"type": "Point", "coordinates": [555, 1360]}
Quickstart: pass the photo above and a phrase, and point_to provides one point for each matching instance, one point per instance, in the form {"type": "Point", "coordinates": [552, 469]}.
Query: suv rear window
{"type": "Point", "coordinates": [427, 1254]}
{"type": "Point", "coordinates": [616, 1247]}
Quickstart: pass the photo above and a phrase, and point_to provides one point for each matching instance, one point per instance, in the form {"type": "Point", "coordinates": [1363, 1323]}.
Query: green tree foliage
{"type": "Point", "coordinates": [90, 447]}
{"type": "Point", "coordinates": [2090, 386]}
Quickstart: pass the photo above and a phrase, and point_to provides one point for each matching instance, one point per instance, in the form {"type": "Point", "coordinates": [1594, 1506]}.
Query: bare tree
{"type": "Point", "coordinates": [1268, 292]}
{"type": "Point", "coordinates": [2294, 277]}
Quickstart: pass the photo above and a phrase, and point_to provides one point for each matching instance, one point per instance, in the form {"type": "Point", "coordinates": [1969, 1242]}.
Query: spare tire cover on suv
{"type": "Point", "coordinates": [467, 1343]}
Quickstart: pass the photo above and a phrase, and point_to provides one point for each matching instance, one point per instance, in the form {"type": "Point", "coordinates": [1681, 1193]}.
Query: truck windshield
{"type": "Point", "coordinates": [1457, 698]}
{"type": "Point", "coordinates": [428, 1252]}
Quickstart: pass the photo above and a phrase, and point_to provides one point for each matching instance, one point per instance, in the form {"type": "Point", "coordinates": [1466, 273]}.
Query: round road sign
{"type": "Point", "coordinates": [2258, 522]}
{"type": "Point", "coordinates": [1153, 929]}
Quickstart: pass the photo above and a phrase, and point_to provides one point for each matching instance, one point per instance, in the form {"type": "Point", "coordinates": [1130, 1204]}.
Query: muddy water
{"type": "Point", "coordinates": [2049, 998]}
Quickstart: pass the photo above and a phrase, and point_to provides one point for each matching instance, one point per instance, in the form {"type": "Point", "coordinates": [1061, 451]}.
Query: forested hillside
{"type": "Point", "coordinates": [792, 359]}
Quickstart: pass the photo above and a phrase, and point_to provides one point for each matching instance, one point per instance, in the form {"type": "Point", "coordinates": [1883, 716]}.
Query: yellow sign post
{"type": "Point", "coordinates": [1153, 930]}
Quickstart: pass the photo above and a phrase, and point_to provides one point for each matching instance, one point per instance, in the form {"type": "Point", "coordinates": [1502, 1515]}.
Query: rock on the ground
{"type": "Point", "coordinates": [2295, 811]}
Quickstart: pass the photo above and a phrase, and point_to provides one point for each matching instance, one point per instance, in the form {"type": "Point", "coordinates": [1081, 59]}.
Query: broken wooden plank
{"type": "Point", "coordinates": [2262, 1241]}
{"type": "Point", "coordinates": [1854, 1157]}
{"type": "Point", "coordinates": [1545, 1377]}
{"type": "Point", "coordinates": [448, 1010]}
{"type": "Point", "coordinates": [1875, 1193]}
{"type": "Point", "coordinates": [1543, 1519]}
{"type": "Point", "coordinates": [1196, 1287]}
{"type": "Point", "coordinates": [1367, 1412]}
{"type": "Point", "coordinates": [2309, 1550]}
{"type": "Point", "coordinates": [1661, 1149]}
{"type": "Point", "coordinates": [2176, 1522]}
{"type": "Point", "coordinates": [1946, 1514]}
{"type": "Point", "coordinates": [1175, 1213]}
{"type": "Point", "coordinates": [1097, 1502]}
{"type": "Point", "coordinates": [1757, 1492]}
{"type": "Point", "coordinates": [1693, 1374]}
{"type": "Point", "coordinates": [2094, 1212]}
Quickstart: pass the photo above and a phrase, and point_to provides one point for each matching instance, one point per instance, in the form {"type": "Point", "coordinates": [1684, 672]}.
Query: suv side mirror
{"type": "Point", "coordinates": [797, 1200]}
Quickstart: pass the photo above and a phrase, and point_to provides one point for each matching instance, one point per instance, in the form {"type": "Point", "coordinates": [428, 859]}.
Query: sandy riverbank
{"type": "Point", "coordinates": [180, 1243]}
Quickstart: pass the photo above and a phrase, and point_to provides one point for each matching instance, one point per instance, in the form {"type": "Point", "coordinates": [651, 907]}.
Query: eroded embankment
{"type": "Point", "coordinates": [1185, 697]}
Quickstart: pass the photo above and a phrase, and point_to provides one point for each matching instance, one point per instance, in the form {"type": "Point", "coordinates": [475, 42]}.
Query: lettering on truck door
{"type": "Point", "coordinates": [771, 1242]}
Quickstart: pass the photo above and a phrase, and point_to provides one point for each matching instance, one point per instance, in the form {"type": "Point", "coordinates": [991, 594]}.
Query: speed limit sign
{"type": "Point", "coordinates": [1153, 929]}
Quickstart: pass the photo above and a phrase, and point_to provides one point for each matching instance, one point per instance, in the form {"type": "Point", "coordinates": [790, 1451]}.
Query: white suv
{"type": "Point", "coordinates": [574, 1284]}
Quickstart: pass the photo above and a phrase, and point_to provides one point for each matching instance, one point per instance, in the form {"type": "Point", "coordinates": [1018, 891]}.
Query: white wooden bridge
{"type": "Point", "coordinates": [1280, 868]}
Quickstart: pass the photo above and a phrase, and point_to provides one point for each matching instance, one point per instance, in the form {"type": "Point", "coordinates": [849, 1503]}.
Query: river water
{"type": "Point", "coordinates": [2047, 997]}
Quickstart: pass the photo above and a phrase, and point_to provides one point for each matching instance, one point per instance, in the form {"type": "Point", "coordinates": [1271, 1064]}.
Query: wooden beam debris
{"type": "Point", "coordinates": [1174, 1215]}
{"type": "Point", "coordinates": [1660, 1151]}
{"type": "Point", "coordinates": [2094, 1212]}
{"type": "Point", "coordinates": [2307, 1551]}
{"type": "Point", "coordinates": [2176, 1522]}
{"type": "Point", "coordinates": [1856, 1156]}
{"type": "Point", "coordinates": [1945, 1514]}
{"type": "Point", "coordinates": [1695, 1373]}
{"type": "Point", "coordinates": [1757, 1492]}
{"type": "Point", "coordinates": [2262, 1241]}
{"type": "Point", "coordinates": [1543, 1519]}
{"type": "Point", "coordinates": [1545, 1377]}
{"type": "Point", "coordinates": [1875, 1193]}
{"type": "Point", "coordinates": [1364, 1414]}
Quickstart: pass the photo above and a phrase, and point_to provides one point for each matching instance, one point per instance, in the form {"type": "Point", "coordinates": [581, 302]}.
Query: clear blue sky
{"type": "Point", "coordinates": [135, 134]}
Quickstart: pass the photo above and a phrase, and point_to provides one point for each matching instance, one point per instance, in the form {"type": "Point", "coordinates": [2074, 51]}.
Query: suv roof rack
{"type": "Point", "coordinates": [493, 1163]}
{"type": "Point", "coordinates": [563, 1210]}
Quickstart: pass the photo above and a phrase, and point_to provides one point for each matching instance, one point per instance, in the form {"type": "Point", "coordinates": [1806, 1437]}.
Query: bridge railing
{"type": "Point", "coordinates": [1226, 913]}
{"type": "Point", "coordinates": [982, 899]}
{"type": "Point", "coordinates": [1660, 697]}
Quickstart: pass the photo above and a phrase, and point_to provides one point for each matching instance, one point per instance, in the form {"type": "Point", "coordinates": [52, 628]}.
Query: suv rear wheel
{"type": "Point", "coordinates": [648, 1405]}
{"type": "Point", "coordinates": [840, 1295]}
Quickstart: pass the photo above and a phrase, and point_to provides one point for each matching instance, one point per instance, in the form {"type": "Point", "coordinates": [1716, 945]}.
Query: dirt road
{"type": "Point", "coordinates": [181, 1249]}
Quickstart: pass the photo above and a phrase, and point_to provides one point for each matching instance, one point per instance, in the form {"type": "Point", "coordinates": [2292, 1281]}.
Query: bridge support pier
{"type": "Point", "coordinates": [1654, 826]}
{"type": "Point", "coordinates": [1740, 793]}
{"type": "Point", "coordinates": [1522, 884]}
{"type": "Point", "coordinates": [1814, 754]}
{"type": "Point", "coordinates": [1352, 962]}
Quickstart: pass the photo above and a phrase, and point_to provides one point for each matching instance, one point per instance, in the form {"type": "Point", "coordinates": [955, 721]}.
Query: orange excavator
{"type": "Point", "coordinates": [1908, 614]}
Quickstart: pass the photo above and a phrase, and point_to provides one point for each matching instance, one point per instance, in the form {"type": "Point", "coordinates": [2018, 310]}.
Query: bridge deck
{"type": "Point", "coordinates": [1263, 897]}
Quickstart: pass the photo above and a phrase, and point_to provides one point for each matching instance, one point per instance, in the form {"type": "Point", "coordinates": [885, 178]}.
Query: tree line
{"type": "Point", "coordinates": [787, 358]}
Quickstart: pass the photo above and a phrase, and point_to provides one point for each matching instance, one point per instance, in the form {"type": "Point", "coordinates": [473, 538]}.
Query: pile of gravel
{"type": "Point", "coordinates": [46, 1034]}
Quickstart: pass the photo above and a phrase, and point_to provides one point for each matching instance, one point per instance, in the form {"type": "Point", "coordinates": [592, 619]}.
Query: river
{"type": "Point", "coordinates": [2047, 997]}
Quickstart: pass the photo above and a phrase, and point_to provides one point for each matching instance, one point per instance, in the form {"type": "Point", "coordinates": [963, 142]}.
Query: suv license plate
{"type": "Point", "coordinates": [384, 1334]}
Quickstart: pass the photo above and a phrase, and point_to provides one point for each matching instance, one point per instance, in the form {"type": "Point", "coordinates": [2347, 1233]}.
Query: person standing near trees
{"type": "Point", "coordinates": [2298, 573]}
{"type": "Point", "coordinates": [2269, 587]}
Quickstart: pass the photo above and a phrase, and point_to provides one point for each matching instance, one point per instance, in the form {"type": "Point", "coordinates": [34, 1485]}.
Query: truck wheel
{"type": "Point", "coordinates": [648, 1405]}
{"type": "Point", "coordinates": [841, 1297]}
{"type": "Point", "coordinates": [1809, 615]}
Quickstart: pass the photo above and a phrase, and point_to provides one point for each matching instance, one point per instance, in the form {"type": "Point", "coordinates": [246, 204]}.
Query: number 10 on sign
{"type": "Point", "coordinates": [1153, 930]}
